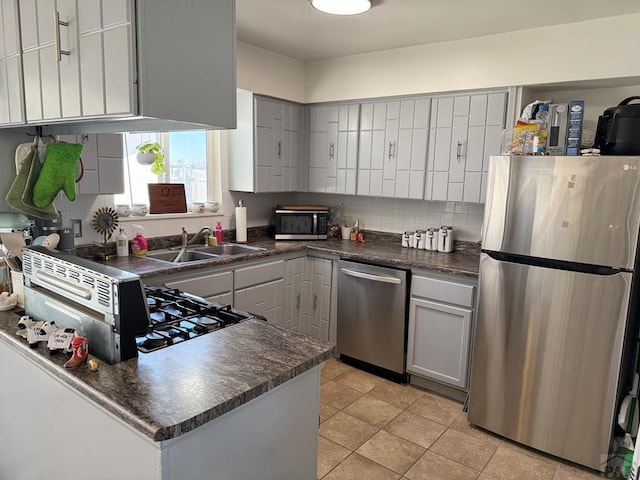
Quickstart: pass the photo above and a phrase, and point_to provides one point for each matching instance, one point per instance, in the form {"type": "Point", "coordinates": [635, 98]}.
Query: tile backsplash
{"type": "Point", "coordinates": [379, 214]}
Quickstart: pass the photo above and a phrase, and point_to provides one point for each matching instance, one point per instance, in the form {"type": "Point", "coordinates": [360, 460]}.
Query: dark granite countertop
{"type": "Point", "coordinates": [381, 249]}
{"type": "Point", "coordinates": [171, 391]}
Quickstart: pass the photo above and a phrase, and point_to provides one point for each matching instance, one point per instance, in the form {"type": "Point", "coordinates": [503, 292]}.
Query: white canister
{"type": "Point", "coordinates": [418, 239]}
{"type": "Point", "coordinates": [431, 239]}
{"type": "Point", "coordinates": [445, 242]}
{"type": "Point", "coordinates": [406, 238]}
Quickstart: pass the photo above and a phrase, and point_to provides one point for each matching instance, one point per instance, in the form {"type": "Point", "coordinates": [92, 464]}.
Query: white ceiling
{"type": "Point", "coordinates": [295, 29]}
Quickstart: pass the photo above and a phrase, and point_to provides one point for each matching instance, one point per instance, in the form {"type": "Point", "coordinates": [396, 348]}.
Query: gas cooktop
{"type": "Point", "coordinates": [176, 316]}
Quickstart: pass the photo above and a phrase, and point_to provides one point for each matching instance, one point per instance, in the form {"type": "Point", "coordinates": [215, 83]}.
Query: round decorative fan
{"type": "Point", "coordinates": [105, 221]}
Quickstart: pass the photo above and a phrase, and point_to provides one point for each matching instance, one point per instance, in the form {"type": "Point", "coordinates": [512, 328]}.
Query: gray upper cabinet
{"type": "Point", "coordinates": [393, 148]}
{"type": "Point", "coordinates": [49, 34]}
{"type": "Point", "coordinates": [11, 95]}
{"type": "Point", "coordinates": [465, 130]}
{"type": "Point", "coordinates": [141, 62]}
{"type": "Point", "coordinates": [265, 151]}
{"type": "Point", "coordinates": [333, 148]}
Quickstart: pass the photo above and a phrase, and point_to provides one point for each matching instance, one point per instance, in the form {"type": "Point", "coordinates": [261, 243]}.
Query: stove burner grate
{"type": "Point", "coordinates": [175, 316]}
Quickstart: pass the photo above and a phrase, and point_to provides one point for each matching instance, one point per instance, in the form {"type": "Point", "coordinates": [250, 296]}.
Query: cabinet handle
{"type": "Point", "coordinates": [331, 150]}
{"type": "Point", "coordinates": [392, 152]}
{"type": "Point", "coordinates": [60, 23]}
{"type": "Point", "coordinates": [315, 301]}
{"type": "Point", "coordinates": [459, 150]}
{"type": "Point", "coordinates": [279, 149]}
{"type": "Point", "coordinates": [298, 302]}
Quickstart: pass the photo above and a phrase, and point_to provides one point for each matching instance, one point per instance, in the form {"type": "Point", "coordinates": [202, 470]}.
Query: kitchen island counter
{"type": "Point", "coordinates": [239, 403]}
{"type": "Point", "coordinates": [171, 391]}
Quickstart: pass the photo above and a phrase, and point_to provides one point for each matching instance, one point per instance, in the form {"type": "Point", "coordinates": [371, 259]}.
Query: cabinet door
{"type": "Point", "coordinates": [372, 151]}
{"type": "Point", "coordinates": [11, 93]}
{"type": "Point", "coordinates": [291, 146]}
{"type": "Point", "coordinates": [438, 342]}
{"type": "Point", "coordinates": [318, 148]}
{"type": "Point", "coordinates": [210, 286]}
{"type": "Point", "coordinates": [106, 58]}
{"type": "Point", "coordinates": [412, 148]}
{"type": "Point", "coordinates": [316, 303]}
{"type": "Point", "coordinates": [347, 149]}
{"type": "Point", "coordinates": [278, 145]}
{"type": "Point", "coordinates": [323, 148]}
{"type": "Point", "coordinates": [464, 132]}
{"type": "Point", "coordinates": [293, 294]}
{"type": "Point", "coordinates": [266, 299]}
{"type": "Point", "coordinates": [50, 50]}
{"type": "Point", "coordinates": [265, 144]}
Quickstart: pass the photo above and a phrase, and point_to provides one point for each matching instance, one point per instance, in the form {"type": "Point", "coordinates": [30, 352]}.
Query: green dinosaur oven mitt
{"type": "Point", "coordinates": [58, 173]}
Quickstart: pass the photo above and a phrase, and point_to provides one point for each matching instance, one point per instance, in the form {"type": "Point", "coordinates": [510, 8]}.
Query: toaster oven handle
{"type": "Point", "coordinates": [64, 285]}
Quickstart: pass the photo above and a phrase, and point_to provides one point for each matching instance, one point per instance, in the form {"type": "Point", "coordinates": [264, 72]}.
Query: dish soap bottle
{"type": "Point", "coordinates": [139, 244]}
{"type": "Point", "coordinates": [122, 244]}
{"type": "Point", "coordinates": [219, 232]}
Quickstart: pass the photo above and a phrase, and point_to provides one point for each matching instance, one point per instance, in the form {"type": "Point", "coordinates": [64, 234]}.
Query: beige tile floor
{"type": "Point", "coordinates": [373, 429]}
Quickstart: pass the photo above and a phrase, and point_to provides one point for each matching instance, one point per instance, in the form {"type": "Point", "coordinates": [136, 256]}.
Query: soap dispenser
{"type": "Point", "coordinates": [219, 233]}
{"type": "Point", "coordinates": [122, 244]}
{"type": "Point", "coordinates": [139, 244]}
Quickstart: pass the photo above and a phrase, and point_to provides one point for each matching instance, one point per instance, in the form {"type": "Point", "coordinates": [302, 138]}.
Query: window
{"type": "Point", "coordinates": [190, 157]}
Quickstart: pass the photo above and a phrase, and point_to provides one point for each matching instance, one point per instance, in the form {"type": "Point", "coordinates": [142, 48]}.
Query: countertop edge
{"type": "Point", "coordinates": [53, 365]}
{"type": "Point", "coordinates": [384, 253]}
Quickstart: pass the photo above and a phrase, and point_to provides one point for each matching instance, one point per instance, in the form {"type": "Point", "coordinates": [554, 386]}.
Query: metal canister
{"type": "Point", "coordinates": [406, 238]}
{"type": "Point", "coordinates": [431, 239]}
{"type": "Point", "coordinates": [445, 242]}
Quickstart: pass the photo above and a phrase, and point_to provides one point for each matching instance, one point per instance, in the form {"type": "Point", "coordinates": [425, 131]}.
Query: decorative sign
{"type": "Point", "coordinates": [167, 198]}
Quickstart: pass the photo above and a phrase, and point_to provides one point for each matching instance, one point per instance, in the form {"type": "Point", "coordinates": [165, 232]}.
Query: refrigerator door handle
{"type": "Point", "coordinates": [554, 264]}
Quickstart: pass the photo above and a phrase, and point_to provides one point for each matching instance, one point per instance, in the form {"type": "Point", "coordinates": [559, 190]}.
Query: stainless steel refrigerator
{"type": "Point", "coordinates": [556, 329]}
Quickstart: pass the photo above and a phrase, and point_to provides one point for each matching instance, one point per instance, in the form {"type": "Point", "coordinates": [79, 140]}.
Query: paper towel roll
{"type": "Point", "coordinates": [241, 224]}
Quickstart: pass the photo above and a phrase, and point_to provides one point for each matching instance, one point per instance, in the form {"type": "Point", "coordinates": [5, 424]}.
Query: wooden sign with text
{"type": "Point", "coordinates": [167, 198]}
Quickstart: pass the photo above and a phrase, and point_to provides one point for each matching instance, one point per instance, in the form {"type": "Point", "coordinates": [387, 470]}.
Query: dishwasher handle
{"type": "Point", "coordinates": [368, 276]}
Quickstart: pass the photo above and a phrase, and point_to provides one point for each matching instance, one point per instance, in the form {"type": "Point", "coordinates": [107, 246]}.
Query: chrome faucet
{"type": "Point", "coordinates": [185, 238]}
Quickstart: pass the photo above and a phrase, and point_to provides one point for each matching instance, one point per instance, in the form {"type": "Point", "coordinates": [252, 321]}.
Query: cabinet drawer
{"type": "Point", "coordinates": [443, 291]}
{"type": "Point", "coordinates": [255, 275]}
{"type": "Point", "coordinates": [206, 285]}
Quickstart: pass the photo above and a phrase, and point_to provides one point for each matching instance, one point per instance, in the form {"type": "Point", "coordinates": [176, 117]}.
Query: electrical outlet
{"type": "Point", "coordinates": [76, 224]}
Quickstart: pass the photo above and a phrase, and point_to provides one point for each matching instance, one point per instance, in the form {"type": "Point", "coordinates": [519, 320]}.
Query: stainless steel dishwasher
{"type": "Point", "coordinates": [372, 318]}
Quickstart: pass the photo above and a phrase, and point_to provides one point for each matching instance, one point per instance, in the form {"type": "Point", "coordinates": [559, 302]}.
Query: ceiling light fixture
{"type": "Point", "coordinates": [342, 7]}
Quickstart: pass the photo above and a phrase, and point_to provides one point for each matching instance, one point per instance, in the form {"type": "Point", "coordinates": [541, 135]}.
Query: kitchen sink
{"type": "Point", "coordinates": [187, 256]}
{"type": "Point", "coordinates": [227, 249]}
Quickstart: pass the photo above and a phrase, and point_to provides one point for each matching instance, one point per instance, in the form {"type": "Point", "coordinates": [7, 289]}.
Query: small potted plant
{"type": "Point", "coordinates": [151, 153]}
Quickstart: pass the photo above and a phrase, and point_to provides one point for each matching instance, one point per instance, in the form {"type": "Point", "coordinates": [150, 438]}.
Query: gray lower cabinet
{"type": "Point", "coordinates": [440, 324]}
{"type": "Point", "coordinates": [260, 289]}
{"type": "Point", "coordinates": [257, 288]}
{"type": "Point", "coordinates": [217, 287]}
{"type": "Point", "coordinates": [307, 298]}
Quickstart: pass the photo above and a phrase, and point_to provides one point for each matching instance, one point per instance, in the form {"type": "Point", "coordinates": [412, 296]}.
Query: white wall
{"type": "Point", "coordinates": [597, 49]}
{"type": "Point", "coordinates": [269, 73]}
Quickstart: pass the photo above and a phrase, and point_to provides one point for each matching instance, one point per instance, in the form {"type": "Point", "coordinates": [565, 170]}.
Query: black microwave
{"type": "Point", "coordinates": [301, 222]}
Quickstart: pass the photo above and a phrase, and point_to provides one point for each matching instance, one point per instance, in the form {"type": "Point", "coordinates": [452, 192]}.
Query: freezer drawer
{"type": "Point", "coordinates": [575, 209]}
{"type": "Point", "coordinates": [546, 358]}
